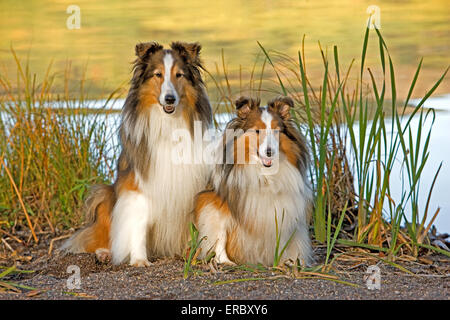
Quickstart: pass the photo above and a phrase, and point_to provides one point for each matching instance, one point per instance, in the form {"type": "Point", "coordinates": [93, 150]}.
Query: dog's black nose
{"type": "Point", "coordinates": [169, 98]}
{"type": "Point", "coordinates": [269, 152]}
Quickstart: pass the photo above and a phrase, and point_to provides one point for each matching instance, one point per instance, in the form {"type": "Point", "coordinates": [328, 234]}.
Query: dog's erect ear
{"type": "Point", "coordinates": [144, 49]}
{"type": "Point", "coordinates": [282, 106]}
{"type": "Point", "coordinates": [244, 105]}
{"type": "Point", "coordinates": [190, 52]}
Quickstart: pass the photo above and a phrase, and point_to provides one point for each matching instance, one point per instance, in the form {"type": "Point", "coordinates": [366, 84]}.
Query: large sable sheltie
{"type": "Point", "coordinates": [148, 209]}
{"type": "Point", "coordinates": [236, 216]}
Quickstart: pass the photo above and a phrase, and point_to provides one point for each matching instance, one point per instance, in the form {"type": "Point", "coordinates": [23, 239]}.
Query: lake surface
{"type": "Point", "coordinates": [439, 152]}
{"type": "Point", "coordinates": [109, 31]}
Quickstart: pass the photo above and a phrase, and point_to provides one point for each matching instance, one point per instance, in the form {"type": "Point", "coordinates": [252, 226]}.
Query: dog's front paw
{"type": "Point", "coordinates": [140, 263]}
{"type": "Point", "coordinates": [103, 255]}
{"type": "Point", "coordinates": [223, 259]}
{"type": "Point", "coordinates": [289, 263]}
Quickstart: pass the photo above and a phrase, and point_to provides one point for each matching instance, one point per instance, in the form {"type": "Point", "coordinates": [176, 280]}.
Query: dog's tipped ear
{"type": "Point", "coordinates": [188, 51]}
{"type": "Point", "coordinates": [282, 106]}
{"type": "Point", "coordinates": [244, 105]}
{"type": "Point", "coordinates": [147, 48]}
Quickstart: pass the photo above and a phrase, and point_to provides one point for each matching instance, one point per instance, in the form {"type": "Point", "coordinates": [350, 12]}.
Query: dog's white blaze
{"type": "Point", "coordinates": [270, 139]}
{"type": "Point", "coordinates": [267, 118]}
{"type": "Point", "coordinates": [167, 86]}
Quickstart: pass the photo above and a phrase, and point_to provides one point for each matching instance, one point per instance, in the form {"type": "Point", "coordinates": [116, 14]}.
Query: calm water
{"type": "Point", "coordinates": [439, 151]}
{"type": "Point", "coordinates": [110, 29]}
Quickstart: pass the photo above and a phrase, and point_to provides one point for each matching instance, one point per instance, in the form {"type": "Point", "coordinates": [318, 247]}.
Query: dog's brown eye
{"type": "Point", "coordinates": [158, 74]}
{"type": "Point", "coordinates": [179, 75]}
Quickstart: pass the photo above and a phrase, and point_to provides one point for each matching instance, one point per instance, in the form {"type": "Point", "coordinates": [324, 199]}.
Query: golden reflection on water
{"type": "Point", "coordinates": [110, 29]}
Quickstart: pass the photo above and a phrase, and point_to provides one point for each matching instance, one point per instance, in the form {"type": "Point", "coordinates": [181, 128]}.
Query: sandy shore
{"type": "Point", "coordinates": [164, 280]}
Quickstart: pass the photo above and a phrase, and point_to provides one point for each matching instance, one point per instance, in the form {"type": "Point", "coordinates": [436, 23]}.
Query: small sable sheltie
{"type": "Point", "coordinates": [247, 201]}
{"type": "Point", "coordinates": [148, 209]}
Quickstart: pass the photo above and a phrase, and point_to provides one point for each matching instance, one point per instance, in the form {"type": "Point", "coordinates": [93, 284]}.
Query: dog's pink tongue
{"type": "Point", "coordinates": [169, 109]}
{"type": "Point", "coordinates": [267, 162]}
